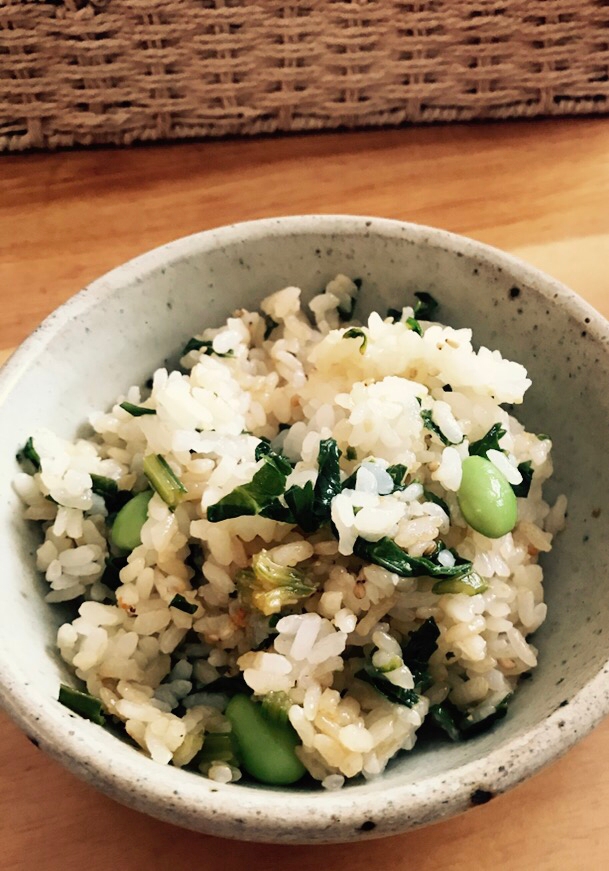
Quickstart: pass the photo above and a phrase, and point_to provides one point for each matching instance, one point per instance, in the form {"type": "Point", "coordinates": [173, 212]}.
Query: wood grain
{"type": "Point", "coordinates": [540, 189]}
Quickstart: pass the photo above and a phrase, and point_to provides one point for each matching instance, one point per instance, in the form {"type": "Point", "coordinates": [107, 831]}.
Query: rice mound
{"type": "Point", "coordinates": [274, 376]}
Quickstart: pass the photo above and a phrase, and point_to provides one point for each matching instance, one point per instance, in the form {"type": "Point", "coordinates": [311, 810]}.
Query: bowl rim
{"type": "Point", "coordinates": [266, 814]}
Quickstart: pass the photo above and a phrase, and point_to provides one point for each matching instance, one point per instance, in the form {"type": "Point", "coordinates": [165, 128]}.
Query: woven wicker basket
{"type": "Point", "coordinates": [116, 71]}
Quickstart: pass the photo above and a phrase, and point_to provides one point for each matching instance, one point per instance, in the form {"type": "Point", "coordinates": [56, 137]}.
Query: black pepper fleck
{"type": "Point", "coordinates": [514, 292]}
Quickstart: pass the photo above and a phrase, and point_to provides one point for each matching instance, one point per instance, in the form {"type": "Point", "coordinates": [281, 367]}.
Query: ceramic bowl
{"type": "Point", "coordinates": [122, 327]}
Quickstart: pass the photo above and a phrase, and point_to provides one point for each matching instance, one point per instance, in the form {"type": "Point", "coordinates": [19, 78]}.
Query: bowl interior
{"type": "Point", "coordinates": [139, 316]}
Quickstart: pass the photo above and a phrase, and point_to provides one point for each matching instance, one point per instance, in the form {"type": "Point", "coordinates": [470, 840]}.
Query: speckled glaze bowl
{"type": "Point", "coordinates": [118, 330]}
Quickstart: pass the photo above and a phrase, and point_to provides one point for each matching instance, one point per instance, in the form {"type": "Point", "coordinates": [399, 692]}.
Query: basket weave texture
{"type": "Point", "coordinates": [81, 72]}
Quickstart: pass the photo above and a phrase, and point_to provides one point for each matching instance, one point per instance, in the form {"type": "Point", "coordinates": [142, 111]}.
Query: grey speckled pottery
{"type": "Point", "coordinates": [122, 327]}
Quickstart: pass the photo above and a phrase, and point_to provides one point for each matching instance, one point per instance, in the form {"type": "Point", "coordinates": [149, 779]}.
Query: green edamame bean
{"type": "Point", "coordinates": [266, 748]}
{"type": "Point", "coordinates": [486, 498]}
{"type": "Point", "coordinates": [127, 527]}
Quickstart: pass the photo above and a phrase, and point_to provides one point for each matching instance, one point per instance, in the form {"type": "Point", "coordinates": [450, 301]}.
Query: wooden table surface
{"type": "Point", "coordinates": [539, 189]}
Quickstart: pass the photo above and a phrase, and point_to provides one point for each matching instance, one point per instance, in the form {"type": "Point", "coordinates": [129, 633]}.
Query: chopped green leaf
{"type": "Point", "coordinates": [470, 584]}
{"type": "Point", "coordinates": [311, 504]}
{"type": "Point", "coordinates": [357, 333]}
{"type": "Point", "coordinates": [301, 502]}
{"type": "Point", "coordinates": [114, 498]}
{"type": "Point", "coordinates": [488, 442]}
{"type": "Point", "coordinates": [417, 651]}
{"type": "Point", "coordinates": [387, 554]}
{"type": "Point", "coordinates": [327, 485]}
{"type": "Point", "coordinates": [182, 604]}
{"type": "Point", "coordinates": [459, 726]}
{"type": "Point", "coordinates": [29, 453]}
{"type": "Point", "coordinates": [425, 307]}
{"type": "Point", "coordinates": [543, 437]}
{"type": "Point", "coordinates": [349, 483]}
{"type": "Point", "coordinates": [414, 325]}
{"type": "Point", "coordinates": [85, 705]}
{"type": "Point", "coordinates": [471, 726]}
{"type": "Point", "coordinates": [164, 480]}
{"type": "Point", "coordinates": [428, 496]}
{"type": "Point", "coordinates": [398, 695]}
{"type": "Point", "coordinates": [263, 448]}
{"type": "Point", "coordinates": [195, 344]}
{"type": "Point", "coordinates": [350, 454]}
{"type": "Point", "coordinates": [136, 410]}
{"type": "Point", "coordinates": [270, 587]}
{"type": "Point", "coordinates": [262, 491]}
{"type": "Point", "coordinates": [308, 506]}
{"type": "Point", "coordinates": [415, 656]}
{"type": "Point", "coordinates": [445, 716]}
{"type": "Point", "coordinates": [429, 424]}
{"type": "Point", "coordinates": [269, 326]}
{"type": "Point", "coordinates": [397, 473]}
{"type": "Point", "coordinates": [421, 643]}
{"type": "Point", "coordinates": [276, 510]}
{"type": "Point", "coordinates": [526, 470]}
{"type": "Point", "coordinates": [104, 486]}
{"type": "Point", "coordinates": [204, 345]}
